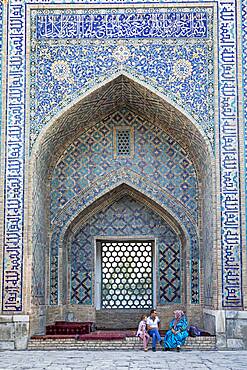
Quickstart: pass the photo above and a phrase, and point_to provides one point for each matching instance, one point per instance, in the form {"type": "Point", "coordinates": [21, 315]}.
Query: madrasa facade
{"type": "Point", "coordinates": [123, 179]}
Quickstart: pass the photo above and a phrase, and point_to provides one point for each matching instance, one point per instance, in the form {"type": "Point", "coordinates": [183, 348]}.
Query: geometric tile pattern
{"type": "Point", "coordinates": [81, 287]}
{"type": "Point", "coordinates": [127, 274]}
{"type": "Point", "coordinates": [169, 271]}
{"type": "Point", "coordinates": [115, 182]}
{"type": "Point", "coordinates": [194, 280]}
{"type": "Point", "coordinates": [126, 217]}
{"type": "Point", "coordinates": [157, 157]}
{"type": "Point", "coordinates": [180, 67]}
{"type": "Point", "coordinates": [81, 267]}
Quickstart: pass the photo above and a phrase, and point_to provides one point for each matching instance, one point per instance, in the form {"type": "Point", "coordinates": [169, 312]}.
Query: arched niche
{"type": "Point", "coordinates": [142, 205]}
{"type": "Point", "coordinates": [121, 91]}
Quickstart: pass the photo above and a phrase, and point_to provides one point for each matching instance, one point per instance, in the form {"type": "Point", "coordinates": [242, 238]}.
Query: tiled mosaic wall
{"type": "Point", "coordinates": [227, 148]}
{"type": "Point", "coordinates": [175, 60]}
{"type": "Point", "coordinates": [104, 188]}
{"type": "Point", "coordinates": [40, 244]}
{"type": "Point", "coordinates": [156, 156]}
{"type": "Point", "coordinates": [207, 252]}
{"type": "Point", "coordinates": [126, 217]}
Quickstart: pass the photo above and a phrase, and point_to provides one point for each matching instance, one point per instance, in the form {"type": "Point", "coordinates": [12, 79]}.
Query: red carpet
{"type": "Point", "coordinates": [107, 335]}
{"type": "Point", "coordinates": [97, 335]}
{"type": "Point", "coordinates": [70, 328]}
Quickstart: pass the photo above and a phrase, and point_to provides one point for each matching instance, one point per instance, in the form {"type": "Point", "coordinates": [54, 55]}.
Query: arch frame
{"type": "Point", "coordinates": [36, 157]}
{"type": "Point", "coordinates": [119, 178]}
{"type": "Point", "coordinates": [120, 191]}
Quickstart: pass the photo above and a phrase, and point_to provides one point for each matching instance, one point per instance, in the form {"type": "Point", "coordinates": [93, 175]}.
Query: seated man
{"type": "Point", "coordinates": [153, 326]}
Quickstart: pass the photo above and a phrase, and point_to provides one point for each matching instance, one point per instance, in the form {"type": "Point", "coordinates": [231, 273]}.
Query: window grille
{"type": "Point", "coordinates": [127, 274]}
{"type": "Point", "coordinates": [123, 141]}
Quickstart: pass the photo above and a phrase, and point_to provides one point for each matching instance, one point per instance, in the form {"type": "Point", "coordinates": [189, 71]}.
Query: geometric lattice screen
{"type": "Point", "coordinates": [123, 141]}
{"type": "Point", "coordinates": [127, 274]}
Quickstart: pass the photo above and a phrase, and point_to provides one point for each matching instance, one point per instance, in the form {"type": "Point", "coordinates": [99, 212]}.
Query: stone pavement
{"type": "Point", "coordinates": [122, 360]}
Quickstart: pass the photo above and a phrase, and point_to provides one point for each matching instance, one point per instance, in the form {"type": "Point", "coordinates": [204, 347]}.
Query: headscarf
{"type": "Point", "coordinates": [178, 314]}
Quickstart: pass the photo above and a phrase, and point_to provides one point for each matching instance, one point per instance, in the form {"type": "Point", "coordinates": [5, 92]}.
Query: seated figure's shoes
{"type": "Point", "coordinates": [178, 349]}
{"type": "Point", "coordinates": [154, 349]}
{"type": "Point", "coordinates": [145, 349]}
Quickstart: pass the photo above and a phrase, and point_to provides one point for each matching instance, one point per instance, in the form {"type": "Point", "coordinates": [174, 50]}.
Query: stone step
{"type": "Point", "coordinates": [198, 343]}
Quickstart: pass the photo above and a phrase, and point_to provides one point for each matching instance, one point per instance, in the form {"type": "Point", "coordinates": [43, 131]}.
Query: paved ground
{"type": "Point", "coordinates": [122, 360]}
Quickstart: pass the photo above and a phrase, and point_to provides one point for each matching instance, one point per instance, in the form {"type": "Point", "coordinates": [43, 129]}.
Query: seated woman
{"type": "Point", "coordinates": [175, 337]}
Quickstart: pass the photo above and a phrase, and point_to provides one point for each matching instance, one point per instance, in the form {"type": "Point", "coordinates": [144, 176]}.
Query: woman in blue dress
{"type": "Point", "coordinates": [175, 337]}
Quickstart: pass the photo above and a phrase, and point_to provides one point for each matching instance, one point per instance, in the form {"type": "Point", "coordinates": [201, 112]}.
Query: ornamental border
{"type": "Point", "coordinates": [231, 241]}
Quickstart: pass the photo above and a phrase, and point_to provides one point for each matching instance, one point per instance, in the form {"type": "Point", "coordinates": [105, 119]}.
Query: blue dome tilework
{"type": "Point", "coordinates": [156, 156]}
{"type": "Point", "coordinates": [126, 217]}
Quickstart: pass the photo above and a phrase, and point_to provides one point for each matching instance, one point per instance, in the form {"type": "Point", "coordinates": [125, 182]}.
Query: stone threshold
{"type": "Point", "coordinates": [129, 343]}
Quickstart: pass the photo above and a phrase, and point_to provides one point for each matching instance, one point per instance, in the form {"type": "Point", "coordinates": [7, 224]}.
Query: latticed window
{"type": "Point", "coordinates": [123, 141]}
{"type": "Point", "coordinates": [127, 269]}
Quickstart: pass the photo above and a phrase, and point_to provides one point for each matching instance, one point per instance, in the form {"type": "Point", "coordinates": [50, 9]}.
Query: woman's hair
{"type": "Point", "coordinates": [142, 317]}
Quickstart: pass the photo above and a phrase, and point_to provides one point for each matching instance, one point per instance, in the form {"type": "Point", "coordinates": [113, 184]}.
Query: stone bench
{"type": "Point", "coordinates": [127, 343]}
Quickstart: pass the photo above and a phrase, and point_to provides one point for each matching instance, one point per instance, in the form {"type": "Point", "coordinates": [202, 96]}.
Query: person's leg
{"type": "Point", "coordinates": [152, 334]}
{"type": "Point", "coordinates": [158, 335]}
{"type": "Point", "coordinates": [145, 341]}
{"type": "Point", "coordinates": [148, 337]}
